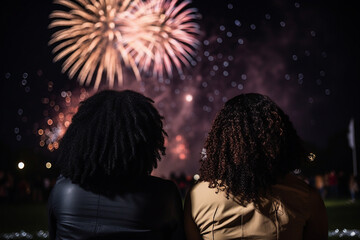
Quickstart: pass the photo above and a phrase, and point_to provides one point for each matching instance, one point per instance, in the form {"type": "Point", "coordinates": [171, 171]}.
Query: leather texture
{"type": "Point", "coordinates": [150, 209]}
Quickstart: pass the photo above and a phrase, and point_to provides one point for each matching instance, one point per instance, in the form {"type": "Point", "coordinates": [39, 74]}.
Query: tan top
{"type": "Point", "coordinates": [294, 210]}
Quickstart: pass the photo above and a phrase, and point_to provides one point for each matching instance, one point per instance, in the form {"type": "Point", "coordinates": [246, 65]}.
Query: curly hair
{"type": "Point", "coordinates": [250, 145]}
{"type": "Point", "coordinates": [114, 136]}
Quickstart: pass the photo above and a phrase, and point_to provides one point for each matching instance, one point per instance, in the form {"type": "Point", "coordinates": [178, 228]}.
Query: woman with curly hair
{"type": "Point", "coordinates": [105, 190]}
{"type": "Point", "coordinates": [246, 188]}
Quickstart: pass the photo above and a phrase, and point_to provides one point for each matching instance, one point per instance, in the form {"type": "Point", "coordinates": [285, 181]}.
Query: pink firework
{"type": "Point", "coordinates": [162, 34]}
{"type": "Point", "coordinates": [99, 37]}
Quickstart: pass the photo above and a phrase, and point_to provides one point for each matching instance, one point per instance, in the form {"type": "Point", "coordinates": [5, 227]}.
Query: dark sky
{"type": "Point", "coordinates": [303, 54]}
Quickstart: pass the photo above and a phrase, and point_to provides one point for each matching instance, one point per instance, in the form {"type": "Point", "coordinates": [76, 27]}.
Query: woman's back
{"type": "Point", "coordinates": [152, 209]}
{"type": "Point", "coordinates": [284, 215]}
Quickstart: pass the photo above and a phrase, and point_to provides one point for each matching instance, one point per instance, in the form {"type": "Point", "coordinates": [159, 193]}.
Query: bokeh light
{"type": "Point", "coordinates": [21, 165]}
{"type": "Point", "coordinates": [48, 165]}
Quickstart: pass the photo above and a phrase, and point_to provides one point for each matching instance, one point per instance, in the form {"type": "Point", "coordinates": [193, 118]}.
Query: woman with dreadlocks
{"type": "Point", "coordinates": [247, 188]}
{"type": "Point", "coordinates": [105, 190]}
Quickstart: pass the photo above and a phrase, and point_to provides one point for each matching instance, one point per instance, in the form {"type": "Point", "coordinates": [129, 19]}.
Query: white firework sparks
{"type": "Point", "coordinates": [91, 39]}
{"type": "Point", "coordinates": [99, 36]}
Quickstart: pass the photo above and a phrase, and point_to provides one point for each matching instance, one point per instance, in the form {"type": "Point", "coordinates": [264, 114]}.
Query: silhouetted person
{"type": "Point", "coordinates": [353, 187]}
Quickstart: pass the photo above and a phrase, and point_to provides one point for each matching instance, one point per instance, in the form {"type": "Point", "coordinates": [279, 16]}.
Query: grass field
{"type": "Point", "coordinates": [342, 214]}
{"type": "Point", "coordinates": [33, 217]}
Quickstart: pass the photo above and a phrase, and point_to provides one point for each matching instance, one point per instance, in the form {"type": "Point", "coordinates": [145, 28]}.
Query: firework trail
{"type": "Point", "coordinates": [100, 36]}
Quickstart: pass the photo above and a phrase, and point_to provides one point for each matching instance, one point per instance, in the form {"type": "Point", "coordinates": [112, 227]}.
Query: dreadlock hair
{"type": "Point", "coordinates": [250, 145]}
{"type": "Point", "coordinates": [114, 137]}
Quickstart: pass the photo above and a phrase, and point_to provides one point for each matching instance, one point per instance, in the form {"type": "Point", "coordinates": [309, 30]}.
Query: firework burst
{"type": "Point", "coordinates": [98, 37]}
{"type": "Point", "coordinates": [161, 34]}
{"type": "Point", "coordinates": [91, 40]}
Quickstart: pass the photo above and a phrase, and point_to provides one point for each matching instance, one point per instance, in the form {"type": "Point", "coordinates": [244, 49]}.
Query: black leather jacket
{"type": "Point", "coordinates": [152, 209]}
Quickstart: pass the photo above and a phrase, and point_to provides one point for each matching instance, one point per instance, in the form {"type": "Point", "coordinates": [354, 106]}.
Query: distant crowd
{"type": "Point", "coordinates": [15, 189]}
{"type": "Point", "coordinates": [336, 185]}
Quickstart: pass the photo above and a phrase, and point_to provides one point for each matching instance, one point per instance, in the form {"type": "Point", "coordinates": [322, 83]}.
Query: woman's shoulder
{"type": "Point", "coordinates": [295, 182]}
{"type": "Point", "coordinates": [158, 182]}
{"type": "Point", "coordinates": [157, 185]}
{"type": "Point", "coordinates": [296, 193]}
{"type": "Point", "coordinates": [63, 184]}
{"type": "Point", "coordinates": [203, 193]}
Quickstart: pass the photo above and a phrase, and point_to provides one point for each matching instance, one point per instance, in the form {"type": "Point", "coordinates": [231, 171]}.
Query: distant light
{"type": "Point", "coordinates": [21, 165]}
{"type": "Point", "coordinates": [182, 156]}
{"type": "Point", "coordinates": [67, 123]}
{"type": "Point", "coordinates": [312, 157]}
{"type": "Point", "coordinates": [188, 97]}
{"type": "Point", "coordinates": [51, 147]}
{"type": "Point", "coordinates": [196, 177]}
{"type": "Point", "coordinates": [18, 137]}
{"type": "Point", "coordinates": [48, 165]}
{"type": "Point", "coordinates": [178, 138]}
{"type": "Point", "coordinates": [40, 132]}
{"type": "Point", "coordinates": [50, 122]}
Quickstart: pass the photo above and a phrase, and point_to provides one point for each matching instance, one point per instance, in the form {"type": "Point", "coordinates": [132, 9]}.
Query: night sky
{"type": "Point", "coordinates": [302, 54]}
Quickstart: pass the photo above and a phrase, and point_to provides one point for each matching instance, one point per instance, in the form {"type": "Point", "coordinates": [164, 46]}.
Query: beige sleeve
{"type": "Point", "coordinates": [191, 230]}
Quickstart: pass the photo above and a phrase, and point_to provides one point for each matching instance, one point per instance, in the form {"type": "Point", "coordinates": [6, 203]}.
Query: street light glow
{"type": "Point", "coordinates": [21, 165]}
